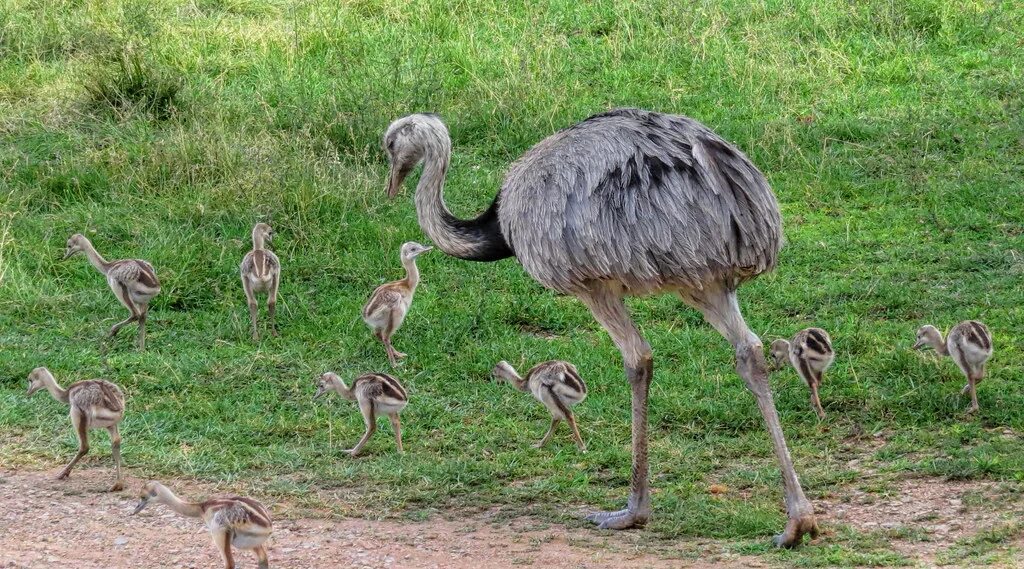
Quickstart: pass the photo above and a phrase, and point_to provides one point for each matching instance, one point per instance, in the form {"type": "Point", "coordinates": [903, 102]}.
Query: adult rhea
{"type": "Point", "coordinates": [627, 202]}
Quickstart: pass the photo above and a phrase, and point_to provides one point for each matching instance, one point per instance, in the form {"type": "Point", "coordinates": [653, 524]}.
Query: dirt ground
{"type": "Point", "coordinates": [76, 523]}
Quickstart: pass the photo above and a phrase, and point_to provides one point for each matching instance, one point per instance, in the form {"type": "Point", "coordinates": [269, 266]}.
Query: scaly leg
{"type": "Point", "coordinates": [571, 418]}
{"type": "Point", "coordinates": [254, 310]}
{"type": "Point", "coordinates": [117, 327]}
{"type": "Point", "coordinates": [396, 424]}
{"type": "Point", "coordinates": [547, 436]}
{"type": "Point", "coordinates": [721, 309]}
{"type": "Point", "coordinates": [261, 555]}
{"type": "Point", "coordinates": [79, 421]}
{"type": "Point", "coordinates": [370, 418]}
{"type": "Point", "coordinates": [141, 341]}
{"type": "Point", "coordinates": [815, 400]}
{"type": "Point", "coordinates": [610, 311]}
{"type": "Point", "coordinates": [272, 304]}
{"type": "Point", "coordinates": [115, 449]}
{"type": "Point", "coordinates": [972, 382]}
{"type": "Point", "coordinates": [222, 539]}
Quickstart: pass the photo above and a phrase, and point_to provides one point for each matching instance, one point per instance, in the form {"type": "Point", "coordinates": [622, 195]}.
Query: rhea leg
{"type": "Point", "coordinates": [261, 555]}
{"type": "Point", "coordinates": [370, 418]}
{"type": "Point", "coordinates": [815, 400]}
{"type": "Point", "coordinates": [610, 311]}
{"type": "Point", "coordinates": [571, 419]}
{"type": "Point", "coordinates": [222, 539]}
{"type": "Point", "coordinates": [79, 421]}
{"type": "Point", "coordinates": [972, 384]}
{"type": "Point", "coordinates": [254, 310]}
{"type": "Point", "coordinates": [121, 292]}
{"type": "Point", "coordinates": [115, 449]}
{"type": "Point", "coordinates": [396, 424]}
{"type": "Point", "coordinates": [721, 309]}
{"type": "Point", "coordinates": [143, 312]}
{"type": "Point", "coordinates": [547, 436]}
{"type": "Point", "coordinates": [272, 304]}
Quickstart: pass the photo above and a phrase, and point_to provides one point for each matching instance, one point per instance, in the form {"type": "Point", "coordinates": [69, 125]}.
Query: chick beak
{"type": "Point", "coordinates": [142, 504]}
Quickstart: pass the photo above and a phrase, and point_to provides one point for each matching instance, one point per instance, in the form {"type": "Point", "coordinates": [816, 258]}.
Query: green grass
{"type": "Point", "coordinates": [891, 132]}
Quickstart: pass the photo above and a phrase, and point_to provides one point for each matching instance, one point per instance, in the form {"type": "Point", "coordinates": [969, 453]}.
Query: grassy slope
{"type": "Point", "coordinates": [891, 134]}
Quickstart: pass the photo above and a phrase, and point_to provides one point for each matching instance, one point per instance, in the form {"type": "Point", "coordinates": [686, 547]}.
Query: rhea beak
{"type": "Point", "coordinates": [320, 392]}
{"type": "Point", "coordinates": [142, 504]}
{"type": "Point", "coordinates": [918, 344]}
{"type": "Point", "coordinates": [67, 255]}
{"type": "Point", "coordinates": [424, 250]}
{"type": "Point", "coordinates": [395, 182]}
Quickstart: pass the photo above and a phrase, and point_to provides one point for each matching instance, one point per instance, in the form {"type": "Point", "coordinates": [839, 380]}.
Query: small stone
{"type": "Point", "coordinates": [121, 541]}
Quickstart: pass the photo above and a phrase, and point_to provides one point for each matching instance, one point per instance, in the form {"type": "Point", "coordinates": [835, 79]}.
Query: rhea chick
{"type": "Point", "coordinates": [233, 522]}
{"type": "Point", "coordinates": [386, 308]}
{"type": "Point", "coordinates": [557, 385]}
{"type": "Point", "coordinates": [969, 343]}
{"type": "Point", "coordinates": [95, 404]}
{"type": "Point", "coordinates": [133, 281]}
{"type": "Point", "coordinates": [810, 352]}
{"type": "Point", "coordinates": [377, 394]}
{"type": "Point", "coordinates": [261, 272]}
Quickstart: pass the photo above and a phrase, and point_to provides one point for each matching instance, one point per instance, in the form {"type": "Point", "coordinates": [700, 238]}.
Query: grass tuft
{"type": "Point", "coordinates": [134, 86]}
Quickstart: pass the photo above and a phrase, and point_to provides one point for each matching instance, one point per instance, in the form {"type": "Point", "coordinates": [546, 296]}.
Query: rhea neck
{"type": "Point", "coordinates": [513, 378]}
{"type": "Point", "coordinates": [58, 393]}
{"type": "Point", "coordinates": [412, 273]}
{"type": "Point", "coordinates": [95, 259]}
{"type": "Point", "coordinates": [477, 239]}
{"type": "Point", "coordinates": [939, 344]}
{"type": "Point", "coordinates": [187, 509]}
{"type": "Point", "coordinates": [343, 390]}
{"type": "Point", "coordinates": [259, 241]}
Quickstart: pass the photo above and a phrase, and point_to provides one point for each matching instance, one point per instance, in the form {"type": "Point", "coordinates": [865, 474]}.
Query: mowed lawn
{"type": "Point", "coordinates": [892, 134]}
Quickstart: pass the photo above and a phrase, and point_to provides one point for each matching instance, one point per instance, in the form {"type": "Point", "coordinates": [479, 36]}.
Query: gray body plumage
{"type": "Point", "coordinates": [650, 200]}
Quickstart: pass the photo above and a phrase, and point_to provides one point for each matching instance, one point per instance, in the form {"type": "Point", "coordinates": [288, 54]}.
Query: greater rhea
{"type": "Point", "coordinates": [234, 521]}
{"type": "Point", "coordinates": [261, 273]}
{"type": "Point", "coordinates": [810, 353]}
{"type": "Point", "coordinates": [387, 306]}
{"type": "Point", "coordinates": [377, 394]}
{"type": "Point", "coordinates": [557, 385]}
{"type": "Point", "coordinates": [95, 404]}
{"type": "Point", "coordinates": [969, 343]}
{"type": "Point", "coordinates": [133, 281]}
{"type": "Point", "coordinates": [627, 202]}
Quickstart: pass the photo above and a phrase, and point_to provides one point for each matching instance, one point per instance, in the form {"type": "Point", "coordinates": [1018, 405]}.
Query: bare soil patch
{"type": "Point", "coordinates": [75, 523]}
{"type": "Point", "coordinates": [925, 517]}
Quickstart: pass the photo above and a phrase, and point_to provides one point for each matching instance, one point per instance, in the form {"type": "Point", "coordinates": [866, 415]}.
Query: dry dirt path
{"type": "Point", "coordinates": [74, 523]}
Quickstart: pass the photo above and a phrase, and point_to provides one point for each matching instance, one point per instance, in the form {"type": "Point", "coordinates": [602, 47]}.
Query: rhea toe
{"type": "Point", "coordinates": [95, 404]}
{"type": "Point", "coordinates": [969, 343]}
{"type": "Point", "coordinates": [376, 394]}
{"type": "Point", "coordinates": [133, 281]}
{"type": "Point", "coordinates": [810, 353]}
{"type": "Point", "coordinates": [557, 385]}
{"type": "Point", "coordinates": [261, 273]}
{"type": "Point", "coordinates": [234, 521]}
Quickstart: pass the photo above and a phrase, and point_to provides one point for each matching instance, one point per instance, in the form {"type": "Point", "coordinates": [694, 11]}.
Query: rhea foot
{"type": "Point", "coordinates": [795, 530]}
{"type": "Point", "coordinates": [622, 519]}
{"type": "Point", "coordinates": [63, 475]}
